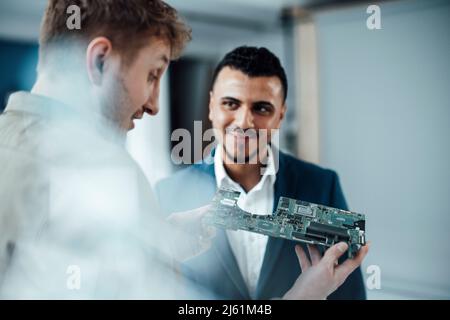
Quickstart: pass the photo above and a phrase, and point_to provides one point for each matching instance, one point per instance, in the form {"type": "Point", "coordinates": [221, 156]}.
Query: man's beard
{"type": "Point", "coordinates": [239, 156]}
{"type": "Point", "coordinates": [113, 105]}
{"type": "Point", "coordinates": [236, 159]}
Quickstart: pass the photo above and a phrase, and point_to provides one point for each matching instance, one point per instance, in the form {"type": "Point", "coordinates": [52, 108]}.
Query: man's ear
{"type": "Point", "coordinates": [99, 49]}
{"type": "Point", "coordinates": [211, 102]}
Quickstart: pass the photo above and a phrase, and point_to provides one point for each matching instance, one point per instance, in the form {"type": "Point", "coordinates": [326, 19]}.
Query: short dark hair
{"type": "Point", "coordinates": [254, 62]}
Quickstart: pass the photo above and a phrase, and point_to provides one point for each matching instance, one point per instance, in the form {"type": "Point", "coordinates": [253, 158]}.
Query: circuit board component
{"type": "Point", "coordinates": [292, 220]}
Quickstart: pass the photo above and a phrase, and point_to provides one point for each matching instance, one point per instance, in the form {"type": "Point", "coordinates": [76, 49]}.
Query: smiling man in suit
{"type": "Point", "coordinates": [247, 104]}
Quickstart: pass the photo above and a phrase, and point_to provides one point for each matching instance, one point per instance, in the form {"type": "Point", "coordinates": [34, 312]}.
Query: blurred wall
{"type": "Point", "coordinates": [18, 62]}
{"type": "Point", "coordinates": [385, 127]}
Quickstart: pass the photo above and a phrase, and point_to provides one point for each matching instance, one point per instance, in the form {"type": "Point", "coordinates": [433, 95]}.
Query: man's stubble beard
{"type": "Point", "coordinates": [113, 107]}
{"type": "Point", "coordinates": [247, 159]}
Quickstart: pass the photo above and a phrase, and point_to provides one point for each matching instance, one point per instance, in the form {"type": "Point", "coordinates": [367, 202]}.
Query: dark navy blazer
{"type": "Point", "coordinates": [216, 270]}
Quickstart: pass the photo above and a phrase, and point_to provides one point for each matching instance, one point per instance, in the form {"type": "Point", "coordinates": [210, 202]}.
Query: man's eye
{"type": "Point", "coordinates": [262, 109]}
{"type": "Point", "coordinates": [230, 104]}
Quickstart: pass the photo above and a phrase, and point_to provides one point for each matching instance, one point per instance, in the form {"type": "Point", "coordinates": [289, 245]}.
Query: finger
{"type": "Point", "coordinates": [332, 255]}
{"type": "Point", "coordinates": [205, 207]}
{"type": "Point", "coordinates": [302, 258]}
{"type": "Point", "coordinates": [191, 221]}
{"type": "Point", "coordinates": [345, 269]}
{"type": "Point", "coordinates": [314, 254]}
{"type": "Point", "coordinates": [194, 212]}
{"type": "Point", "coordinates": [201, 211]}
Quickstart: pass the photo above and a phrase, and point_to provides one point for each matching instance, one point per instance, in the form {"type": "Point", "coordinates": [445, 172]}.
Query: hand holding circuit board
{"type": "Point", "coordinates": [293, 220]}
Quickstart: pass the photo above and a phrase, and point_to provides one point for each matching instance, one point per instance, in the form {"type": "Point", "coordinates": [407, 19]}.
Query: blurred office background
{"type": "Point", "coordinates": [374, 105]}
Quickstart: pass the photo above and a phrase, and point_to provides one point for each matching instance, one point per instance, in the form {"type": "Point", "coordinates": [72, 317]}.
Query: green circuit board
{"type": "Point", "coordinates": [294, 220]}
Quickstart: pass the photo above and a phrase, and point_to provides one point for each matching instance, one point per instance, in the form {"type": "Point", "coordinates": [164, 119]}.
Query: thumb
{"type": "Point", "coordinates": [200, 212]}
{"type": "Point", "coordinates": [334, 253]}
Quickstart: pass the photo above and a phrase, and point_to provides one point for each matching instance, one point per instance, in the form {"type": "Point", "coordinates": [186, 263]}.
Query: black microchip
{"type": "Point", "coordinates": [318, 228]}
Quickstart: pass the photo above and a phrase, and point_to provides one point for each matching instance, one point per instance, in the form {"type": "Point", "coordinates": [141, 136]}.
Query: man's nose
{"type": "Point", "coordinates": [244, 118]}
{"type": "Point", "coordinates": [152, 105]}
{"type": "Point", "coordinates": [151, 108]}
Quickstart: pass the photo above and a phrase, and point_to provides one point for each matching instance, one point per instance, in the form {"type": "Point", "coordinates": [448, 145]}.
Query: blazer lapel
{"type": "Point", "coordinates": [226, 257]}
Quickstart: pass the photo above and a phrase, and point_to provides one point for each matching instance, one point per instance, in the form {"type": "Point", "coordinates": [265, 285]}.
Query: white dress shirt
{"type": "Point", "coordinates": [248, 247]}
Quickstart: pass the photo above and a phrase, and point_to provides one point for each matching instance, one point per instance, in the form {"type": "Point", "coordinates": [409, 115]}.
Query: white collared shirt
{"type": "Point", "coordinates": [71, 197]}
{"type": "Point", "coordinates": [248, 247]}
